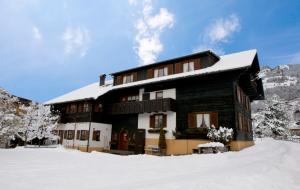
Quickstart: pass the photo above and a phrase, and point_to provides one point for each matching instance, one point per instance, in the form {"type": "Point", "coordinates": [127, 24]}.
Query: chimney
{"type": "Point", "coordinates": [102, 79]}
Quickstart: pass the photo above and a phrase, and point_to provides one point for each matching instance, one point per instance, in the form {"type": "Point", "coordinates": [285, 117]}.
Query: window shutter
{"type": "Point", "coordinates": [152, 121]}
{"type": "Point", "coordinates": [178, 68]}
{"type": "Point", "coordinates": [135, 76]}
{"type": "Point", "coordinates": [214, 119]}
{"type": "Point", "coordinates": [191, 120]}
{"type": "Point", "coordinates": [150, 73]}
{"type": "Point", "coordinates": [119, 80]}
{"type": "Point", "coordinates": [197, 64]}
{"type": "Point", "coordinates": [164, 120]}
{"type": "Point", "coordinates": [170, 69]}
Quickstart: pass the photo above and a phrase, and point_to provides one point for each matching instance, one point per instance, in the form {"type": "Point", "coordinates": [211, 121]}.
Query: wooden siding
{"type": "Point", "coordinates": [147, 106]}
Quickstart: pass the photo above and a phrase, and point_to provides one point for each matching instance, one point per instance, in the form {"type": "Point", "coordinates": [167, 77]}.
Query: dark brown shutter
{"type": "Point", "coordinates": [170, 69]}
{"type": "Point", "coordinates": [119, 80]}
{"type": "Point", "coordinates": [164, 120]}
{"type": "Point", "coordinates": [214, 119]}
{"type": "Point", "coordinates": [135, 76]}
{"type": "Point", "coordinates": [152, 121]}
{"type": "Point", "coordinates": [191, 120]}
{"type": "Point", "coordinates": [197, 64]}
{"type": "Point", "coordinates": [178, 68]}
{"type": "Point", "coordinates": [150, 73]}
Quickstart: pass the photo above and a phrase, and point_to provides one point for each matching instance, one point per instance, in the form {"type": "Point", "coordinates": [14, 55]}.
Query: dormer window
{"type": "Point", "coordinates": [161, 72]}
{"type": "Point", "coordinates": [128, 78]}
{"type": "Point", "coordinates": [188, 67]}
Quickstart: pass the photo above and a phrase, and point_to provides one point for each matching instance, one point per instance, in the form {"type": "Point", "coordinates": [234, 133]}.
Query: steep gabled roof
{"type": "Point", "coordinates": [226, 62]}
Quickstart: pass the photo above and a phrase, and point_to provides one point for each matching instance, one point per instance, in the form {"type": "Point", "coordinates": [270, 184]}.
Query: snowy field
{"type": "Point", "coordinates": [268, 165]}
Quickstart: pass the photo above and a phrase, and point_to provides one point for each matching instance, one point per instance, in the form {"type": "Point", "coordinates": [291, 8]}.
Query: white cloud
{"type": "Point", "coordinates": [37, 33]}
{"type": "Point", "coordinates": [218, 33]}
{"type": "Point", "coordinates": [222, 29]}
{"type": "Point", "coordinates": [132, 2]}
{"type": "Point", "coordinates": [76, 41]}
{"type": "Point", "coordinates": [149, 28]}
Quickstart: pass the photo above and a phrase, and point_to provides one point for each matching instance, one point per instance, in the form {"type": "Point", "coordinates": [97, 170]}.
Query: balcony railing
{"type": "Point", "coordinates": [146, 106]}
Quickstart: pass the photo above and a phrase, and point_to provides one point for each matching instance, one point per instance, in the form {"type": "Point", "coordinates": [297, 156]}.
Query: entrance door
{"type": "Point", "coordinates": [123, 140]}
{"type": "Point", "coordinates": [140, 141]}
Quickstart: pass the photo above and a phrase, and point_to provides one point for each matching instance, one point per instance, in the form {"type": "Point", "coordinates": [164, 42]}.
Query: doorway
{"type": "Point", "coordinates": [123, 140]}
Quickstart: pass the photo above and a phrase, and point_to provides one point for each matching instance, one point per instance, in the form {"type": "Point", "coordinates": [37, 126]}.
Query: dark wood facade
{"type": "Point", "coordinates": [225, 96]}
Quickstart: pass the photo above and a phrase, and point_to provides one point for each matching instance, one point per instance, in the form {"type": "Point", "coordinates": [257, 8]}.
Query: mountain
{"type": "Point", "coordinates": [282, 100]}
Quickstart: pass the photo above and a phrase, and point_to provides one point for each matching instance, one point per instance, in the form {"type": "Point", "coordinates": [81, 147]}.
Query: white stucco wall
{"type": "Point", "coordinates": [144, 123]}
{"type": "Point", "coordinates": [105, 134]}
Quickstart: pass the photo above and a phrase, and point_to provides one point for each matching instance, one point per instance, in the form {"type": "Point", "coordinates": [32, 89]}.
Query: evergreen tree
{"type": "Point", "coordinates": [162, 144]}
{"type": "Point", "coordinates": [273, 119]}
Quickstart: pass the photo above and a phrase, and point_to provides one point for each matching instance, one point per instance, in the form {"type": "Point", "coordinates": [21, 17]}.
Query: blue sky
{"type": "Point", "coordinates": [48, 48]}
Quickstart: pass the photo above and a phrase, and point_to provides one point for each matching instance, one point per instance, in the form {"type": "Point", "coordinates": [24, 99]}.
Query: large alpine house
{"type": "Point", "coordinates": [184, 95]}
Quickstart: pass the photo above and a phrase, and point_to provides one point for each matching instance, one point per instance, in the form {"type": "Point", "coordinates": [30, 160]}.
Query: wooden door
{"type": "Point", "coordinates": [123, 140]}
{"type": "Point", "coordinates": [140, 141]}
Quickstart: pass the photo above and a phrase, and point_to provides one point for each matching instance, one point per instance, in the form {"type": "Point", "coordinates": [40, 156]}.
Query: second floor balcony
{"type": "Point", "coordinates": [146, 106]}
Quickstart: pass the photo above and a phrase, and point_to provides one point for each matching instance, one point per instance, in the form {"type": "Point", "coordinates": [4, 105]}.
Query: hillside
{"type": "Point", "coordinates": [282, 93]}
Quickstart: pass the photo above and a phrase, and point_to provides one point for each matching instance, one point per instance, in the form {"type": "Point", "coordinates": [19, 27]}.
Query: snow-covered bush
{"type": "Point", "coordinates": [223, 134]}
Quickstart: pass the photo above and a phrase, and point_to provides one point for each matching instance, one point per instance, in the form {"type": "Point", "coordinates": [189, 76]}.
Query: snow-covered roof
{"type": "Point", "coordinates": [91, 91]}
{"type": "Point", "coordinates": [226, 62]}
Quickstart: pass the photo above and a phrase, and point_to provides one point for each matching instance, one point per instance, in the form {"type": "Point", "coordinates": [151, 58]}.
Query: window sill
{"type": "Point", "coordinates": [156, 130]}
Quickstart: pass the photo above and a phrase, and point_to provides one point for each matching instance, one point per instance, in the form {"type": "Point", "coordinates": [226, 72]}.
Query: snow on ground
{"type": "Point", "coordinates": [269, 164]}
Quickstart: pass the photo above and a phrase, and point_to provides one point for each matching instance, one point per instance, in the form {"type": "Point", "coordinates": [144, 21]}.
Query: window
{"type": "Point", "coordinates": [146, 96]}
{"type": "Point", "coordinates": [240, 121]}
{"type": "Point", "coordinates": [188, 67]}
{"type": "Point", "coordinates": [84, 135]}
{"type": "Point", "coordinates": [98, 107]}
{"type": "Point", "coordinates": [70, 134]}
{"type": "Point", "coordinates": [133, 98]}
{"type": "Point", "coordinates": [96, 135]}
{"type": "Point", "coordinates": [158, 121]}
{"type": "Point", "coordinates": [159, 95]}
{"type": "Point", "coordinates": [80, 107]}
{"type": "Point", "coordinates": [86, 107]}
{"type": "Point", "coordinates": [203, 120]}
{"type": "Point", "coordinates": [68, 109]}
{"type": "Point", "coordinates": [161, 72]}
{"type": "Point", "coordinates": [73, 108]}
{"type": "Point", "coordinates": [65, 134]}
{"type": "Point", "coordinates": [127, 78]}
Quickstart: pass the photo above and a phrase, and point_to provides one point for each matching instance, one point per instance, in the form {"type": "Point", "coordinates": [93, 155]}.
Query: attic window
{"type": "Point", "coordinates": [128, 78]}
{"type": "Point", "coordinates": [161, 72]}
{"type": "Point", "coordinates": [188, 67]}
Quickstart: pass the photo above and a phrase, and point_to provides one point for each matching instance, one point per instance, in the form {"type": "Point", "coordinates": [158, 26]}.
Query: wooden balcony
{"type": "Point", "coordinates": [147, 106]}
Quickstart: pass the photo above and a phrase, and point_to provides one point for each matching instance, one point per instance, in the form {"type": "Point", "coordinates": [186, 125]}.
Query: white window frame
{"type": "Point", "coordinates": [200, 117]}
{"type": "Point", "coordinates": [188, 66]}
{"type": "Point", "coordinates": [158, 121]}
{"type": "Point", "coordinates": [161, 72]}
{"type": "Point", "coordinates": [127, 79]}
